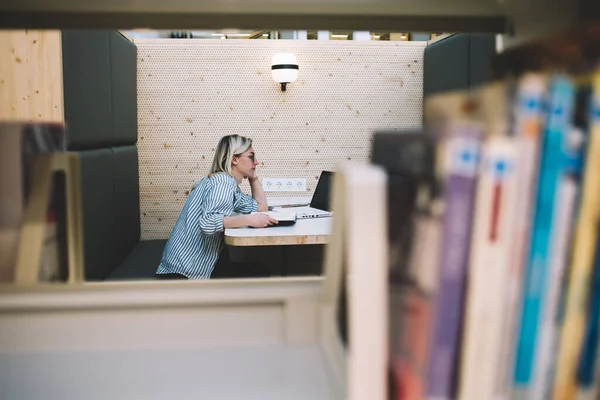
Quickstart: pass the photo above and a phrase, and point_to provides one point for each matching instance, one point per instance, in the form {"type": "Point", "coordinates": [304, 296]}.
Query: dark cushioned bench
{"type": "Point", "coordinates": [141, 263]}
{"type": "Point", "coordinates": [111, 217]}
{"type": "Point", "coordinates": [100, 98]}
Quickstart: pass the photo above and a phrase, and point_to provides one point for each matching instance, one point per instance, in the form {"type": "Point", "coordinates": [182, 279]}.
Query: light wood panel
{"type": "Point", "coordinates": [31, 76]}
{"type": "Point", "coordinates": [276, 240]}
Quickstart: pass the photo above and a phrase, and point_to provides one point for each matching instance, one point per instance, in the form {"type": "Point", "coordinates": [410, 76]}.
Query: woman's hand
{"type": "Point", "coordinates": [261, 220]}
{"type": "Point", "coordinates": [257, 192]}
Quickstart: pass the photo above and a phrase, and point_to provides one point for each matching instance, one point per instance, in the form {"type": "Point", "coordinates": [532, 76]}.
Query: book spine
{"type": "Point", "coordinates": [587, 368]}
{"type": "Point", "coordinates": [566, 217]}
{"type": "Point", "coordinates": [410, 361]}
{"type": "Point", "coordinates": [488, 267]}
{"type": "Point", "coordinates": [414, 306]}
{"type": "Point", "coordinates": [536, 279]}
{"type": "Point", "coordinates": [583, 259]}
{"type": "Point", "coordinates": [462, 157]}
{"type": "Point", "coordinates": [548, 325]}
{"type": "Point", "coordinates": [530, 97]}
{"type": "Point", "coordinates": [425, 250]}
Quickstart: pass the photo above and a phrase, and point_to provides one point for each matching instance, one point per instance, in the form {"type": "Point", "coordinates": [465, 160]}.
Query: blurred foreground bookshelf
{"type": "Point", "coordinates": [498, 265]}
{"type": "Point", "coordinates": [40, 206]}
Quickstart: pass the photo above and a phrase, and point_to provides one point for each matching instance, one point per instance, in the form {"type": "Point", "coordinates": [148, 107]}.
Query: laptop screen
{"type": "Point", "coordinates": [320, 199]}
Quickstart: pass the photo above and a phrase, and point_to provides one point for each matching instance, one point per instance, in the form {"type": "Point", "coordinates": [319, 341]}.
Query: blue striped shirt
{"type": "Point", "coordinates": [197, 238]}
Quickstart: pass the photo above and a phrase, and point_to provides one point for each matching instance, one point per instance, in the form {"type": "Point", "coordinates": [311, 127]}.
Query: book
{"type": "Point", "coordinates": [488, 269]}
{"type": "Point", "coordinates": [587, 369]}
{"type": "Point", "coordinates": [283, 218]}
{"type": "Point", "coordinates": [409, 161]}
{"type": "Point", "coordinates": [535, 279]}
{"type": "Point", "coordinates": [526, 125]}
{"type": "Point", "coordinates": [359, 245]}
{"type": "Point", "coordinates": [411, 303]}
{"type": "Point", "coordinates": [462, 153]}
{"type": "Point", "coordinates": [451, 116]}
{"type": "Point", "coordinates": [581, 267]}
{"type": "Point", "coordinates": [564, 212]}
{"type": "Point", "coordinates": [410, 329]}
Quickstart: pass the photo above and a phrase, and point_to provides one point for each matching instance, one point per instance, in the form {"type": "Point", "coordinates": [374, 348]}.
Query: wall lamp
{"type": "Point", "coordinates": [284, 69]}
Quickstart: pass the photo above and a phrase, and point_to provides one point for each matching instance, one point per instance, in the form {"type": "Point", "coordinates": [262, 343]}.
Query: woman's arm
{"type": "Point", "coordinates": [217, 205]}
{"type": "Point", "coordinates": [238, 221]}
{"type": "Point", "coordinates": [255, 221]}
{"type": "Point", "coordinates": [258, 193]}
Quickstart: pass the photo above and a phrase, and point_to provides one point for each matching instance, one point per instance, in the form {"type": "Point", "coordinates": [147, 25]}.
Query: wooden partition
{"type": "Point", "coordinates": [31, 76]}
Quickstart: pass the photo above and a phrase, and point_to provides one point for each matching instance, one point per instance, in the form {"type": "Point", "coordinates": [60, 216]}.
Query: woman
{"type": "Point", "coordinates": [196, 248]}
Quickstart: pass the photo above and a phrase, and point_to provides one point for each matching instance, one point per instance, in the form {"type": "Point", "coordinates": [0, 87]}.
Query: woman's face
{"type": "Point", "coordinates": [246, 162]}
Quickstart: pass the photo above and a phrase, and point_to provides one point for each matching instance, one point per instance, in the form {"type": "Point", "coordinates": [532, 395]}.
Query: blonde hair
{"type": "Point", "coordinates": [228, 147]}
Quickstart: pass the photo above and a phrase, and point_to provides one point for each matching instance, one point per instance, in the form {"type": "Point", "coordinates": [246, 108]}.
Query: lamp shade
{"type": "Point", "coordinates": [284, 68]}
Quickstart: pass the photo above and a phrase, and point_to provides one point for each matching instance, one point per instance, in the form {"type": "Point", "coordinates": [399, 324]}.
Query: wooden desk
{"type": "Point", "coordinates": [270, 246]}
{"type": "Point", "coordinates": [305, 231]}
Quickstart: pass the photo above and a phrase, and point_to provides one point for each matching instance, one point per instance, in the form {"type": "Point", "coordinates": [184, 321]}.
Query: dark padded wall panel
{"type": "Point", "coordinates": [97, 189]}
{"type": "Point", "coordinates": [124, 89]}
{"type": "Point", "coordinates": [126, 200]}
{"type": "Point", "coordinates": [482, 49]}
{"type": "Point", "coordinates": [87, 88]}
{"type": "Point", "coordinates": [99, 74]}
{"type": "Point", "coordinates": [111, 211]}
{"type": "Point", "coordinates": [100, 89]}
{"type": "Point", "coordinates": [446, 65]}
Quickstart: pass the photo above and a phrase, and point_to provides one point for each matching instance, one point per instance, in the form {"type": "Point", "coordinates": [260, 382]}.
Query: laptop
{"type": "Point", "coordinates": [319, 205]}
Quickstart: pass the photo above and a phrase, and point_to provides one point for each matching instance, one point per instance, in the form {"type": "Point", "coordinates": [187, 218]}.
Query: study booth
{"type": "Point", "coordinates": [144, 118]}
{"type": "Point", "coordinates": [140, 150]}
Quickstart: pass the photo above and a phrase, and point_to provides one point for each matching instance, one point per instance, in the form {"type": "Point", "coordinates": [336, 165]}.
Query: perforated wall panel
{"type": "Point", "coordinates": [192, 92]}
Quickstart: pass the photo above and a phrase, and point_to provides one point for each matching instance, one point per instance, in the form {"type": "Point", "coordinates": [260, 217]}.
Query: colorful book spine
{"type": "Point", "coordinates": [416, 307]}
{"type": "Point", "coordinates": [413, 304]}
{"type": "Point", "coordinates": [409, 361]}
{"type": "Point", "coordinates": [535, 282]}
{"type": "Point", "coordinates": [488, 272]}
{"type": "Point", "coordinates": [561, 234]}
{"type": "Point", "coordinates": [587, 368]}
{"type": "Point", "coordinates": [528, 118]}
{"type": "Point", "coordinates": [580, 133]}
{"type": "Point", "coordinates": [580, 274]}
{"type": "Point", "coordinates": [462, 163]}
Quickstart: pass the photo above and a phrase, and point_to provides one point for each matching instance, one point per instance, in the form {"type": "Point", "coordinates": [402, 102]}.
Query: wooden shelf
{"type": "Point", "coordinates": [267, 372]}
{"type": "Point", "coordinates": [388, 15]}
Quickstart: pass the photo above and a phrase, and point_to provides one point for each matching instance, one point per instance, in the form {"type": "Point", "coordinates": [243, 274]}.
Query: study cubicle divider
{"type": "Point", "coordinates": [100, 89]}
{"type": "Point", "coordinates": [276, 337]}
{"type": "Point", "coordinates": [100, 102]}
{"type": "Point", "coordinates": [457, 62]}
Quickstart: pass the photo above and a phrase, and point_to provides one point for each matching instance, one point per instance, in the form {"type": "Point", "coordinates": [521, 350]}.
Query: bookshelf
{"type": "Point", "coordinates": [522, 21]}
{"type": "Point", "coordinates": [50, 173]}
{"type": "Point", "coordinates": [427, 15]}
{"type": "Point", "coordinates": [41, 205]}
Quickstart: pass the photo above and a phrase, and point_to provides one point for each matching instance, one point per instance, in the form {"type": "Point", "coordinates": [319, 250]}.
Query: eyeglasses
{"type": "Point", "coordinates": [250, 156]}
